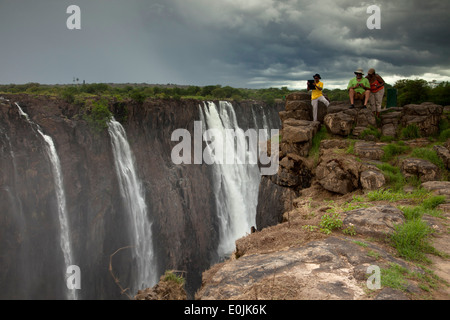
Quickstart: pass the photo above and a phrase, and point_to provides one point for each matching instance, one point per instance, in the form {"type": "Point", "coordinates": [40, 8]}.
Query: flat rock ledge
{"type": "Point", "coordinates": [330, 269]}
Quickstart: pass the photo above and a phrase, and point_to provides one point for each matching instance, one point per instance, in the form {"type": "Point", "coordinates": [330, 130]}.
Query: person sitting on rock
{"type": "Point", "coordinates": [317, 95]}
{"type": "Point", "coordinates": [376, 91]}
{"type": "Point", "coordinates": [359, 89]}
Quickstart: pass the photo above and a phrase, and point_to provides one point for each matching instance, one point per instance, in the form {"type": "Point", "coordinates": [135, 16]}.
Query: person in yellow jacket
{"type": "Point", "coordinates": [317, 95]}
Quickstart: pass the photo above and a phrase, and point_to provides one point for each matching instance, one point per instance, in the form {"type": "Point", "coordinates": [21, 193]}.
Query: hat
{"type": "Point", "coordinates": [360, 70]}
{"type": "Point", "coordinates": [371, 71]}
{"type": "Point", "coordinates": [317, 75]}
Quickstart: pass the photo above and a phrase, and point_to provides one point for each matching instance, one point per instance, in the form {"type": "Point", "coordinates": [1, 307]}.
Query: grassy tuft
{"type": "Point", "coordinates": [410, 132]}
{"type": "Point", "coordinates": [392, 150]}
{"type": "Point", "coordinates": [411, 240]}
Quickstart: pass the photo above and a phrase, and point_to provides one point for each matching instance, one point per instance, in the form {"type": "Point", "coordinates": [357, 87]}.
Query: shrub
{"type": "Point", "coordinates": [99, 115]}
{"type": "Point", "coordinates": [329, 223]}
{"type": "Point", "coordinates": [68, 94]}
{"type": "Point", "coordinates": [137, 96]}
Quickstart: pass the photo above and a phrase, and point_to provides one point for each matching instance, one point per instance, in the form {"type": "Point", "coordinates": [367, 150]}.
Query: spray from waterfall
{"type": "Point", "coordinates": [61, 199]}
{"type": "Point", "coordinates": [134, 200]}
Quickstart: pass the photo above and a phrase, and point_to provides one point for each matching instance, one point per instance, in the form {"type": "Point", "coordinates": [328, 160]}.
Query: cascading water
{"type": "Point", "coordinates": [133, 196]}
{"type": "Point", "coordinates": [61, 199]}
{"type": "Point", "coordinates": [235, 185]}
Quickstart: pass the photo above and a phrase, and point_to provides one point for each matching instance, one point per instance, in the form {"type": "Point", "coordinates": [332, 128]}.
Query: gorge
{"type": "Point", "coordinates": [71, 195]}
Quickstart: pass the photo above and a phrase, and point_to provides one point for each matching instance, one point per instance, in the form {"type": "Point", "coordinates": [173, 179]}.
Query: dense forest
{"type": "Point", "coordinates": [408, 91]}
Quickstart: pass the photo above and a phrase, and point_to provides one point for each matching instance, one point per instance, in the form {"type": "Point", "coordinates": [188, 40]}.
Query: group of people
{"type": "Point", "coordinates": [369, 89]}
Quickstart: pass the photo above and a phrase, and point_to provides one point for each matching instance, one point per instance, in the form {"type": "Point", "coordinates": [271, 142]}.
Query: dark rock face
{"type": "Point", "coordinates": [179, 197]}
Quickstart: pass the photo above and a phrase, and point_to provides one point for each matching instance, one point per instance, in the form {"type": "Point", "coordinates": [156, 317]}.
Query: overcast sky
{"type": "Point", "coordinates": [241, 43]}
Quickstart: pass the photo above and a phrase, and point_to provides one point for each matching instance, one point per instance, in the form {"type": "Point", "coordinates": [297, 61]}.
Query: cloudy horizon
{"type": "Point", "coordinates": [244, 44]}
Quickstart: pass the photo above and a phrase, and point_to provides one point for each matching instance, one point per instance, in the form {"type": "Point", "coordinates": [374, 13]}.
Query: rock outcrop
{"type": "Point", "coordinates": [424, 170]}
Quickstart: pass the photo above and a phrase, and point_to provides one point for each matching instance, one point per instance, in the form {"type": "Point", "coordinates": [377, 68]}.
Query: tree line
{"type": "Point", "coordinates": [408, 91]}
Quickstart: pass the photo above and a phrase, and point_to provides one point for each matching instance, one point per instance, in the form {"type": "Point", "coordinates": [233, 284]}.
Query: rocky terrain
{"type": "Point", "coordinates": [344, 192]}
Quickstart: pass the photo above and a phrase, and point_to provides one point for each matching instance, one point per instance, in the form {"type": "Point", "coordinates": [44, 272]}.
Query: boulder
{"type": "Point", "coordinates": [372, 180]}
{"type": "Point", "coordinates": [297, 136]}
{"type": "Point", "coordinates": [377, 221]}
{"type": "Point", "coordinates": [425, 116]}
{"type": "Point", "coordinates": [423, 169]}
{"type": "Point", "coordinates": [338, 174]}
{"type": "Point", "coordinates": [298, 96]}
{"type": "Point", "coordinates": [369, 150]}
{"type": "Point", "coordinates": [437, 187]}
{"type": "Point", "coordinates": [364, 118]}
{"type": "Point", "coordinates": [389, 130]}
{"type": "Point", "coordinates": [296, 131]}
{"type": "Point", "coordinates": [333, 144]}
{"type": "Point", "coordinates": [339, 123]}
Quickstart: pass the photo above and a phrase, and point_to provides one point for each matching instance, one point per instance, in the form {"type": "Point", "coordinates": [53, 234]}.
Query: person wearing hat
{"type": "Point", "coordinates": [359, 89]}
{"type": "Point", "coordinates": [317, 95]}
{"type": "Point", "coordinates": [376, 91]}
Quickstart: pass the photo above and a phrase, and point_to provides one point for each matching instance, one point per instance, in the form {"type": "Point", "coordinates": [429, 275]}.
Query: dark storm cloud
{"type": "Point", "coordinates": [252, 43]}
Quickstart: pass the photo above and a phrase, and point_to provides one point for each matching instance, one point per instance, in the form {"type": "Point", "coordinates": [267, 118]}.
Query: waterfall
{"type": "Point", "coordinates": [134, 199]}
{"type": "Point", "coordinates": [235, 185]}
{"type": "Point", "coordinates": [60, 197]}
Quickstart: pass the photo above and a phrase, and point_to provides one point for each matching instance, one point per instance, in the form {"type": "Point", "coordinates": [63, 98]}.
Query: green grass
{"type": "Point", "coordinates": [322, 134]}
{"type": "Point", "coordinates": [444, 135]}
{"type": "Point", "coordinates": [396, 277]}
{"type": "Point", "coordinates": [411, 240]}
{"type": "Point", "coordinates": [351, 147]}
{"type": "Point", "coordinates": [433, 202]}
{"type": "Point", "coordinates": [392, 150]}
{"type": "Point", "coordinates": [370, 131]}
{"type": "Point", "coordinates": [410, 132]}
{"type": "Point", "coordinates": [428, 206]}
{"type": "Point", "coordinates": [393, 175]}
{"type": "Point", "coordinates": [387, 139]}
{"type": "Point", "coordinates": [171, 276]}
{"type": "Point", "coordinates": [392, 195]}
{"type": "Point", "coordinates": [361, 244]}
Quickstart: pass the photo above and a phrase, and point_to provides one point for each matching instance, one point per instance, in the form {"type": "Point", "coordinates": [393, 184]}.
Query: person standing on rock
{"type": "Point", "coordinates": [359, 89]}
{"type": "Point", "coordinates": [317, 95]}
{"type": "Point", "coordinates": [376, 91]}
